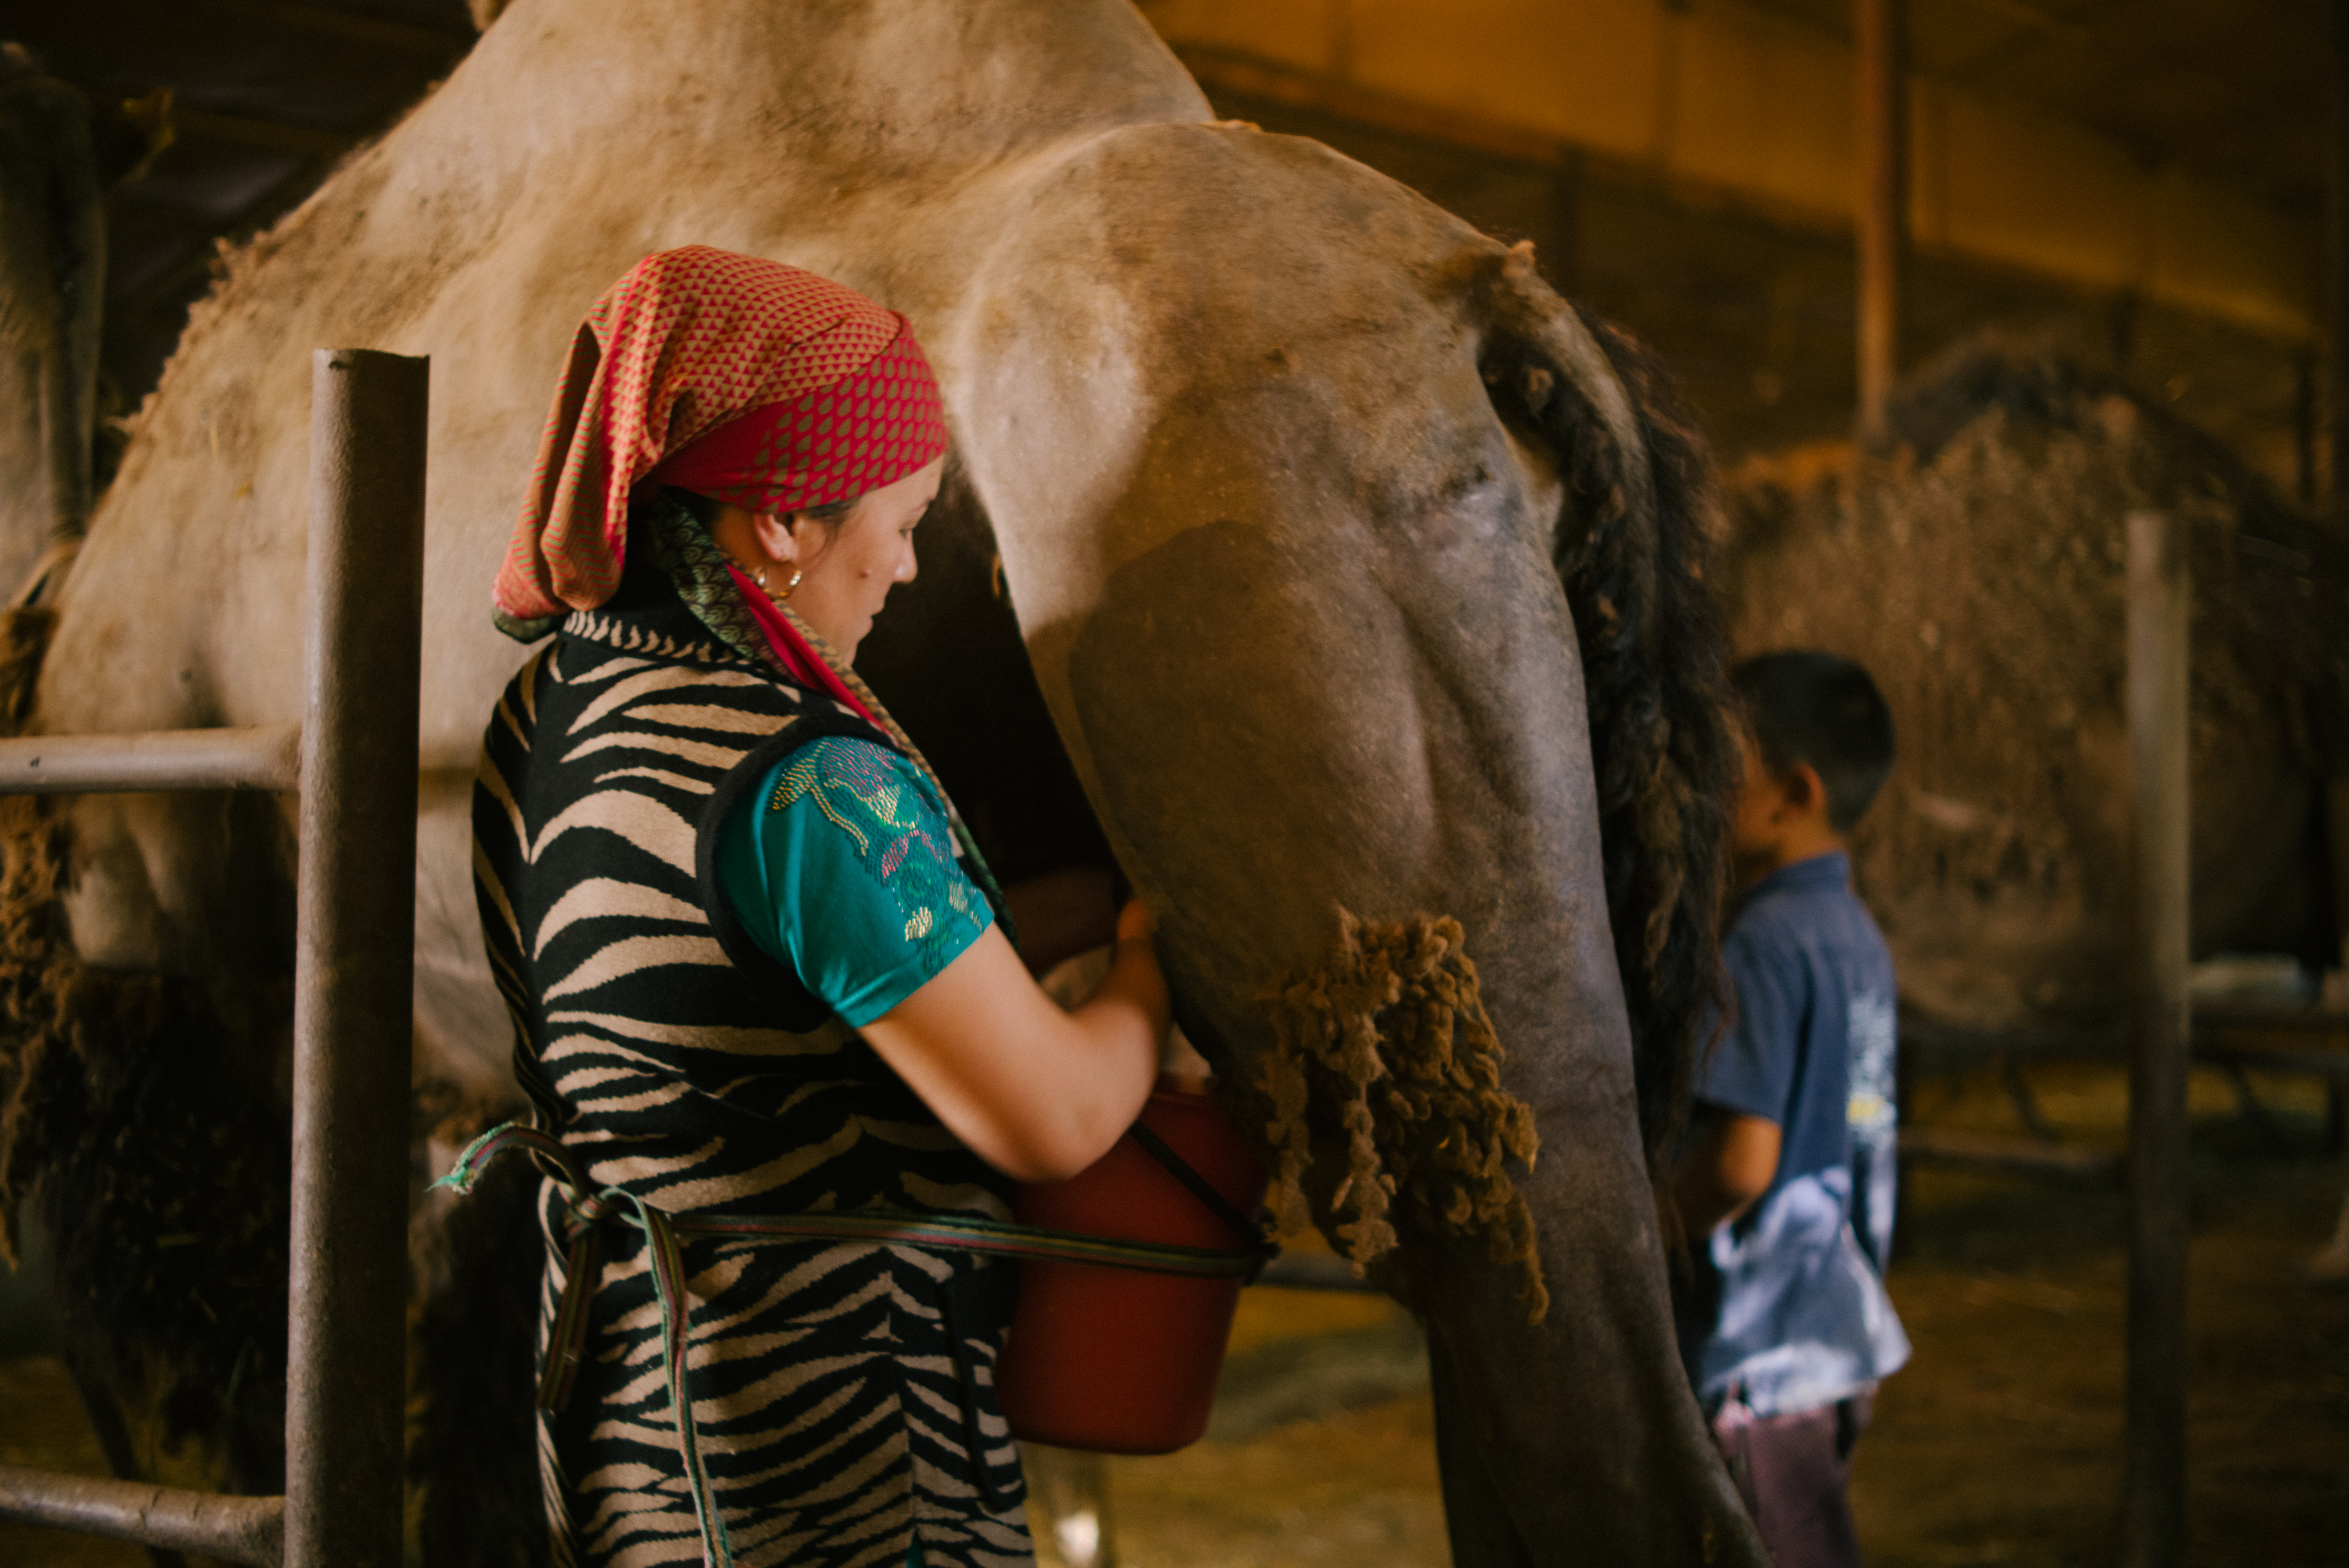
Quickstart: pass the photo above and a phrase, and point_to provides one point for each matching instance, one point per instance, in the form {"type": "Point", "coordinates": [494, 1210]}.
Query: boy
{"type": "Point", "coordinates": [1787, 1197]}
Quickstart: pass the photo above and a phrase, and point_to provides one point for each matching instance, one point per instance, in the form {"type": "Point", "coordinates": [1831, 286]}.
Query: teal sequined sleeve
{"type": "Point", "coordinates": [840, 865]}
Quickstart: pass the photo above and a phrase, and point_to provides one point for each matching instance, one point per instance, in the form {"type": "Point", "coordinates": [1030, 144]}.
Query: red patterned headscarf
{"type": "Point", "coordinates": [744, 379]}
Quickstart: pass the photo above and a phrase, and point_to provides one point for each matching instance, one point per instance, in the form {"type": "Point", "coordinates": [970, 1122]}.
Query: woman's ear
{"type": "Point", "coordinates": [776, 535]}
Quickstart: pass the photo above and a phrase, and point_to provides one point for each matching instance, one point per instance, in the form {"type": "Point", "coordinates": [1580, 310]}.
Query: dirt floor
{"type": "Point", "coordinates": [42, 1424]}
{"type": "Point", "coordinates": [1999, 1445]}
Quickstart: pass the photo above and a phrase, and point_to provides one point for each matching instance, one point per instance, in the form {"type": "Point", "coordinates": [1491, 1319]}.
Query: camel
{"type": "Point", "coordinates": [1305, 550]}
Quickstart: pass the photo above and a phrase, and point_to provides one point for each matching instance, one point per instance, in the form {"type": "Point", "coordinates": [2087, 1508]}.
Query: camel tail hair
{"type": "Point", "coordinates": [1639, 581]}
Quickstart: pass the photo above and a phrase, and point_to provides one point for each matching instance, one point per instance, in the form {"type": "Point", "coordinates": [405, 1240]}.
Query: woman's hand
{"type": "Point", "coordinates": [1038, 1093]}
{"type": "Point", "coordinates": [1136, 924]}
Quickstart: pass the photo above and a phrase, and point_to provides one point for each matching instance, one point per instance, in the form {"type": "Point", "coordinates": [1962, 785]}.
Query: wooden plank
{"type": "Point", "coordinates": [1883, 218]}
{"type": "Point", "coordinates": [2336, 260]}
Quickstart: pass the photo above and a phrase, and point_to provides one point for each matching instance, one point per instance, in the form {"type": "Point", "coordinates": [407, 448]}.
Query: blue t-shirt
{"type": "Point", "coordinates": [1791, 1311]}
{"type": "Point", "coordinates": [841, 864]}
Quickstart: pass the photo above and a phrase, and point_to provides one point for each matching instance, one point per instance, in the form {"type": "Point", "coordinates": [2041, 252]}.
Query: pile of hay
{"type": "Point", "coordinates": [1978, 570]}
{"type": "Point", "coordinates": [161, 1169]}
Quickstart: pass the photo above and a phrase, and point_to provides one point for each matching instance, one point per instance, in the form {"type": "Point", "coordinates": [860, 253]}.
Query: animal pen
{"type": "Point", "coordinates": [355, 765]}
{"type": "Point", "coordinates": [353, 761]}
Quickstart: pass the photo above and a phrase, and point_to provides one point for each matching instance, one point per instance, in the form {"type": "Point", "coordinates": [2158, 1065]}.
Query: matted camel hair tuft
{"type": "Point", "coordinates": [1390, 1032]}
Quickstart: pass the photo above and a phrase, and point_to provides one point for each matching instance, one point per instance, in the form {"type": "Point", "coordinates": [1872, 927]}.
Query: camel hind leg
{"type": "Point", "coordinates": [113, 1434]}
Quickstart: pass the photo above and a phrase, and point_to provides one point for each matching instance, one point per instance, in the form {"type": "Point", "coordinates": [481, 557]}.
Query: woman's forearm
{"type": "Point", "coordinates": [1038, 1093]}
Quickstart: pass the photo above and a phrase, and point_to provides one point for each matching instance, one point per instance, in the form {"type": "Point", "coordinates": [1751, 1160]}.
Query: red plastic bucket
{"type": "Point", "coordinates": [1116, 1360]}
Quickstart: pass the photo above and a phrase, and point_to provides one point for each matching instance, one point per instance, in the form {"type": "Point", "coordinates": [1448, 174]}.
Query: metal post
{"type": "Point", "coordinates": [355, 962]}
{"type": "Point", "coordinates": [2153, 1487]}
{"type": "Point", "coordinates": [1883, 218]}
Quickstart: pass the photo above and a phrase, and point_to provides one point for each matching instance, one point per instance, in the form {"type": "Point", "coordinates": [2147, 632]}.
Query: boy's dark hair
{"type": "Point", "coordinates": [1808, 706]}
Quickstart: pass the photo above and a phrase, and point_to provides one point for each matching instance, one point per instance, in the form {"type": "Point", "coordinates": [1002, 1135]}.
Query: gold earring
{"type": "Point", "coordinates": [796, 575]}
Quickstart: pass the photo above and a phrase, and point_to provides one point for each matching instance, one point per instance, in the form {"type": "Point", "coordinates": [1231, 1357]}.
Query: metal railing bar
{"type": "Point", "coordinates": [354, 763]}
{"type": "Point", "coordinates": [264, 756]}
{"type": "Point", "coordinates": [1943, 1146]}
{"type": "Point", "coordinates": [2272, 1019]}
{"type": "Point", "coordinates": [2208, 1020]}
{"type": "Point", "coordinates": [249, 1530]}
{"type": "Point", "coordinates": [2278, 1059]}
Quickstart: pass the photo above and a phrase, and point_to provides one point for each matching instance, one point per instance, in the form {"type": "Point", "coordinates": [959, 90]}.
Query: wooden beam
{"type": "Point", "coordinates": [255, 216]}
{"type": "Point", "coordinates": [1882, 96]}
{"type": "Point", "coordinates": [2038, 21]}
{"type": "Point", "coordinates": [2153, 1485]}
{"type": "Point", "coordinates": [1233, 72]}
{"type": "Point", "coordinates": [2336, 260]}
{"type": "Point", "coordinates": [371, 31]}
{"type": "Point", "coordinates": [307, 142]}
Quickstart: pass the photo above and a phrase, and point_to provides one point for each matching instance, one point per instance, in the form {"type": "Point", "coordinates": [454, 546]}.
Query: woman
{"type": "Point", "coordinates": [755, 965]}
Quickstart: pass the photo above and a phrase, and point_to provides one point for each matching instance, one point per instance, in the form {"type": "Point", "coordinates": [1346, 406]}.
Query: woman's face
{"type": "Point", "coordinates": [846, 573]}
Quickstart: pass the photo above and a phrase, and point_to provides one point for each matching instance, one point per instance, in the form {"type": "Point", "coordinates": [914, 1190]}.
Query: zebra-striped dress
{"type": "Point", "coordinates": [841, 1392]}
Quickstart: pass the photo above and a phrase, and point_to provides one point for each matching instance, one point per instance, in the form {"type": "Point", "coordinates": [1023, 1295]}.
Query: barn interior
{"type": "Point", "coordinates": [2134, 206]}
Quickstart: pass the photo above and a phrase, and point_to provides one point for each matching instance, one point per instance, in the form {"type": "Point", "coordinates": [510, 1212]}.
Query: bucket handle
{"type": "Point", "coordinates": [1218, 1204]}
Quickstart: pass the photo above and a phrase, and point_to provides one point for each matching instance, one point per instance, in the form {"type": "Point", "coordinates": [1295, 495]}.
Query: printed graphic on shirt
{"type": "Point", "coordinates": [876, 807]}
{"type": "Point", "coordinates": [1870, 1110]}
{"type": "Point", "coordinates": [1872, 1114]}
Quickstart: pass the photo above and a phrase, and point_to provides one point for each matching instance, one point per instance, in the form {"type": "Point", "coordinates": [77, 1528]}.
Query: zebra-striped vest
{"type": "Point", "coordinates": [842, 1391]}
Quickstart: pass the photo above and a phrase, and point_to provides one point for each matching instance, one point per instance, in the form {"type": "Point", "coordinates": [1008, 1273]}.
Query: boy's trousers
{"type": "Point", "coordinates": [1793, 1471]}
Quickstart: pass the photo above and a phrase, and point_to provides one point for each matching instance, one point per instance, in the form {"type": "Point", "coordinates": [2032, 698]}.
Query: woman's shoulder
{"type": "Point", "coordinates": [833, 772]}
{"type": "Point", "coordinates": [846, 759]}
